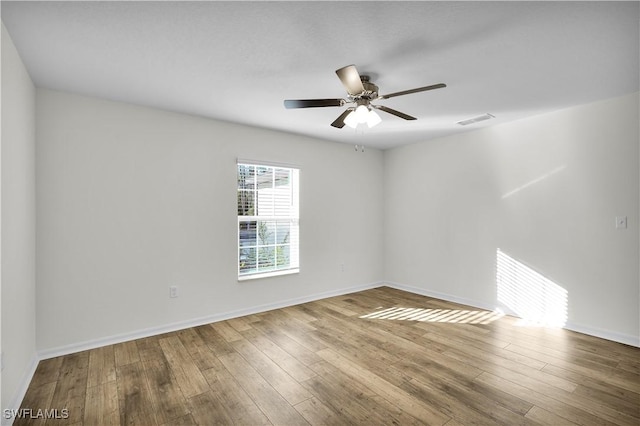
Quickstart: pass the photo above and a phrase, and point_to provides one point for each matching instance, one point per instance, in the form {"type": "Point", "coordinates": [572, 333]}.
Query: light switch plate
{"type": "Point", "coordinates": [173, 291]}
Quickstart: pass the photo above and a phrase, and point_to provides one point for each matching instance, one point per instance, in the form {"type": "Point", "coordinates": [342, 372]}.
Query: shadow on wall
{"type": "Point", "coordinates": [537, 300]}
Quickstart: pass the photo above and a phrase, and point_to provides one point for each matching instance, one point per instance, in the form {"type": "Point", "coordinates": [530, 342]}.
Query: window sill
{"type": "Point", "coordinates": [268, 274]}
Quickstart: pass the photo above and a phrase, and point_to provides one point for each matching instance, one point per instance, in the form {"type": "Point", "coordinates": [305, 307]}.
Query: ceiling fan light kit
{"type": "Point", "coordinates": [361, 91]}
{"type": "Point", "coordinates": [361, 115]}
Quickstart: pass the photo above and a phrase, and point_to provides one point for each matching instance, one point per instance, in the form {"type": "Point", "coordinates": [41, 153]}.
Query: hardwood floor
{"type": "Point", "coordinates": [379, 356]}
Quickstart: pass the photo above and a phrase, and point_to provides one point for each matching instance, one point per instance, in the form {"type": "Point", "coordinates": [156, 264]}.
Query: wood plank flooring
{"type": "Point", "coordinates": [379, 356]}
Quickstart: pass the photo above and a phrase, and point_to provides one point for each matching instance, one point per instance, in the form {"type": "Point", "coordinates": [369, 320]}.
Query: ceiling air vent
{"type": "Point", "coordinates": [482, 117]}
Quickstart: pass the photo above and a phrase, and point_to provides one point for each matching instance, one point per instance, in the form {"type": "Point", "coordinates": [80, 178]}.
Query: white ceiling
{"type": "Point", "coordinates": [238, 61]}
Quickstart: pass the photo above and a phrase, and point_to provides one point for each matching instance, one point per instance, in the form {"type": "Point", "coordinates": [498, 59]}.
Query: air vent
{"type": "Point", "coordinates": [482, 117]}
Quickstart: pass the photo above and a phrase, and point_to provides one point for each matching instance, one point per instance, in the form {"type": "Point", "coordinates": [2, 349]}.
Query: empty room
{"type": "Point", "coordinates": [324, 213]}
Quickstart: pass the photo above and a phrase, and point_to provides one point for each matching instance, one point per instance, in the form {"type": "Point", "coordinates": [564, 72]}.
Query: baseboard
{"type": "Point", "coordinates": [442, 296]}
{"type": "Point", "coordinates": [166, 328]}
{"type": "Point", "coordinates": [20, 393]}
{"type": "Point", "coordinates": [626, 339]}
{"type": "Point", "coordinates": [591, 331]}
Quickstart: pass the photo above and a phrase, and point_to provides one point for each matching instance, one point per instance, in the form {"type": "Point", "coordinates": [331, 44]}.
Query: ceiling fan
{"type": "Point", "coordinates": [361, 92]}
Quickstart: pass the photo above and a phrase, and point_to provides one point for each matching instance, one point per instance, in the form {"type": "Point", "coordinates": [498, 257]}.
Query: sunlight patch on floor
{"type": "Point", "coordinates": [453, 316]}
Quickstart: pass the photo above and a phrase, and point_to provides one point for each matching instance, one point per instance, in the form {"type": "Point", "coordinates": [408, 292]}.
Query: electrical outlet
{"type": "Point", "coordinates": [342, 267]}
{"type": "Point", "coordinates": [173, 291]}
{"type": "Point", "coordinates": [621, 222]}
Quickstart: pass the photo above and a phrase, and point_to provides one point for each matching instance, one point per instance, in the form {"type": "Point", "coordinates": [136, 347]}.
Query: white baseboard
{"type": "Point", "coordinates": [442, 296]}
{"type": "Point", "coordinates": [626, 339]}
{"type": "Point", "coordinates": [21, 391]}
{"type": "Point", "coordinates": [591, 331]}
{"type": "Point", "coordinates": [166, 328]}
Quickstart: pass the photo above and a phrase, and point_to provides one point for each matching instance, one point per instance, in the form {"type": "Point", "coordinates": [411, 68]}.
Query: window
{"type": "Point", "coordinates": [267, 220]}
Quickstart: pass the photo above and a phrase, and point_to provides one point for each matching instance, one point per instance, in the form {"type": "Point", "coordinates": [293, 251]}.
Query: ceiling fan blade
{"type": "Point", "coordinates": [394, 112]}
{"type": "Point", "coordinates": [313, 103]}
{"type": "Point", "coordinates": [419, 89]}
{"type": "Point", "coordinates": [351, 79]}
{"type": "Point", "coordinates": [339, 123]}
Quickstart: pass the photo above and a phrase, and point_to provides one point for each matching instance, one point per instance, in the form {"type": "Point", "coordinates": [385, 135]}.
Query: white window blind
{"type": "Point", "coordinates": [268, 215]}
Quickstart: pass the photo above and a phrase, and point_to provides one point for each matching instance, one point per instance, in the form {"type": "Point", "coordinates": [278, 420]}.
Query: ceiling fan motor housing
{"type": "Point", "coordinates": [370, 89]}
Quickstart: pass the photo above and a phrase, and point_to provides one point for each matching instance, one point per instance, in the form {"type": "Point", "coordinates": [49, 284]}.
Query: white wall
{"type": "Point", "coordinates": [17, 224]}
{"type": "Point", "coordinates": [544, 190]}
{"type": "Point", "coordinates": [132, 200]}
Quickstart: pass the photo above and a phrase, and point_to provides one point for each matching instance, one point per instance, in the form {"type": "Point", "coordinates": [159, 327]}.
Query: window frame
{"type": "Point", "coordinates": [292, 217]}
